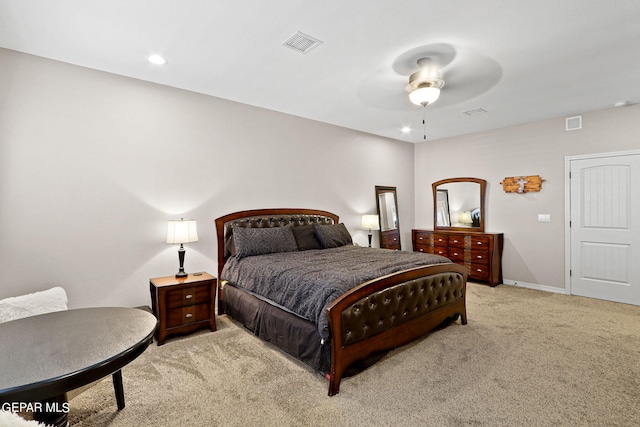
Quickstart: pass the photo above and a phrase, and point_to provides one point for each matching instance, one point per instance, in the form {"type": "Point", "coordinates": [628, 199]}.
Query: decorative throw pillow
{"type": "Point", "coordinates": [260, 241]}
{"type": "Point", "coordinates": [333, 235]}
{"type": "Point", "coordinates": [306, 237]}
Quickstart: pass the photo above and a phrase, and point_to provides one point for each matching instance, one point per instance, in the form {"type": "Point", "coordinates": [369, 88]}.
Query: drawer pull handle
{"type": "Point", "coordinates": [455, 253]}
{"type": "Point", "coordinates": [479, 243]}
{"type": "Point", "coordinates": [188, 315]}
{"type": "Point", "coordinates": [189, 296]}
{"type": "Point", "coordinates": [479, 270]}
{"type": "Point", "coordinates": [455, 241]}
{"type": "Point", "coordinates": [479, 257]}
{"type": "Point", "coordinates": [421, 250]}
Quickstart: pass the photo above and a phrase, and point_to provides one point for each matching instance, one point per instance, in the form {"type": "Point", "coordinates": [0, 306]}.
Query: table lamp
{"type": "Point", "coordinates": [370, 222]}
{"type": "Point", "coordinates": [181, 231]}
{"type": "Point", "coordinates": [465, 218]}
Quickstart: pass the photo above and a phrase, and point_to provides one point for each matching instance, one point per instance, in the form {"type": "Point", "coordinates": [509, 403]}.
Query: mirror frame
{"type": "Point", "coordinates": [380, 189]}
{"type": "Point", "coordinates": [483, 189]}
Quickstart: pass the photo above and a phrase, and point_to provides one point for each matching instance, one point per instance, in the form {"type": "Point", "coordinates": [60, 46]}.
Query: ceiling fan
{"type": "Point", "coordinates": [425, 84]}
{"type": "Point", "coordinates": [468, 73]}
{"type": "Point", "coordinates": [423, 70]}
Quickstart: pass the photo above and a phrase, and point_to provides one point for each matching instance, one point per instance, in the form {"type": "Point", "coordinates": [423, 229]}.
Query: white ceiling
{"type": "Point", "coordinates": [521, 61]}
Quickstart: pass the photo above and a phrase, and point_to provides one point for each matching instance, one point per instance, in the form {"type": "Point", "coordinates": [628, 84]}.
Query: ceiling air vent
{"type": "Point", "coordinates": [301, 42]}
{"type": "Point", "coordinates": [475, 111]}
{"type": "Point", "coordinates": [573, 123]}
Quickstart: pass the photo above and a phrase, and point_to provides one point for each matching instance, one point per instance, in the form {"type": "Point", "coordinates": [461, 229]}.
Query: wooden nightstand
{"type": "Point", "coordinates": [183, 305]}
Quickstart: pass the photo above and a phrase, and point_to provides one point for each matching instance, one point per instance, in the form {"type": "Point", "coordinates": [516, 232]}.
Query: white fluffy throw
{"type": "Point", "coordinates": [9, 419]}
{"type": "Point", "coordinates": [54, 299]}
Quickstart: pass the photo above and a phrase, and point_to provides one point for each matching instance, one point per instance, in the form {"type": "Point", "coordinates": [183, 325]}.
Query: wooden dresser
{"type": "Point", "coordinates": [480, 253]}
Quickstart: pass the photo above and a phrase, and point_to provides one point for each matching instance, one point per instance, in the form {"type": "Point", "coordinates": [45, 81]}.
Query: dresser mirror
{"type": "Point", "coordinates": [459, 204]}
{"type": "Point", "coordinates": [387, 203]}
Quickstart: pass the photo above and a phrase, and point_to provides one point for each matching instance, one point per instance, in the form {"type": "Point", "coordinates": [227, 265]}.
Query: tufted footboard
{"type": "Point", "coordinates": [392, 311]}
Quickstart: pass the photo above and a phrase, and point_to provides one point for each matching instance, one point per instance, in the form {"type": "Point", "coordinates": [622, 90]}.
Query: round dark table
{"type": "Point", "coordinates": [42, 357]}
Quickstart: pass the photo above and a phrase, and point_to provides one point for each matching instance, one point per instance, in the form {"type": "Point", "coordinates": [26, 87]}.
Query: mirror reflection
{"type": "Point", "coordinates": [459, 203]}
{"type": "Point", "coordinates": [388, 212]}
{"type": "Point", "coordinates": [387, 203]}
{"type": "Point", "coordinates": [443, 218]}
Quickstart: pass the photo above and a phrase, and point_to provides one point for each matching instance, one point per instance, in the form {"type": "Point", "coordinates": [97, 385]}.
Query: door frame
{"type": "Point", "coordinates": [567, 205]}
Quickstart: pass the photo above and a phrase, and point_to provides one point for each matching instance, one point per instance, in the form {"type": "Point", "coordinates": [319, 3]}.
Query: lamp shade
{"type": "Point", "coordinates": [465, 217]}
{"type": "Point", "coordinates": [181, 231]}
{"type": "Point", "coordinates": [424, 95]}
{"type": "Point", "coordinates": [370, 222]}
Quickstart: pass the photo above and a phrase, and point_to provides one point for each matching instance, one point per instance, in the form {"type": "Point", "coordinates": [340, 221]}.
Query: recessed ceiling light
{"type": "Point", "coordinates": [406, 129]}
{"type": "Point", "coordinates": [157, 59]}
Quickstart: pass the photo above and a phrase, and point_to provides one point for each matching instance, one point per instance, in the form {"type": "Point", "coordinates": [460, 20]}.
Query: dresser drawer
{"type": "Point", "coordinates": [441, 250]}
{"type": "Point", "coordinates": [187, 315]}
{"type": "Point", "coordinates": [422, 238]}
{"type": "Point", "coordinates": [427, 249]}
{"type": "Point", "coordinates": [479, 242]}
{"type": "Point", "coordinates": [479, 271]}
{"type": "Point", "coordinates": [457, 241]}
{"type": "Point", "coordinates": [456, 255]}
{"type": "Point", "coordinates": [440, 240]}
{"type": "Point", "coordinates": [480, 256]}
{"type": "Point", "coordinates": [188, 296]}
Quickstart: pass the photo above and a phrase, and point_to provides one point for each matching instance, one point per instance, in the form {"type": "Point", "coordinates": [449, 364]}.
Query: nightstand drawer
{"type": "Point", "coordinates": [187, 315]}
{"type": "Point", "coordinates": [187, 296]}
{"type": "Point", "coordinates": [389, 240]}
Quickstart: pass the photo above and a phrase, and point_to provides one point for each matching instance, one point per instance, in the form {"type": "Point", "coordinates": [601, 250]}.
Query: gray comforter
{"type": "Point", "coordinates": [306, 282]}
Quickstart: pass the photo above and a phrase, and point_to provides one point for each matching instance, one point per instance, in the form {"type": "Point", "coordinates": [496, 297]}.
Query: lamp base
{"type": "Point", "coordinates": [181, 272]}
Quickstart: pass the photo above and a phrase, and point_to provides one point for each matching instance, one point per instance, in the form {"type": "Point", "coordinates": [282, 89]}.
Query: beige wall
{"type": "Point", "coordinates": [534, 251]}
{"type": "Point", "coordinates": [93, 164]}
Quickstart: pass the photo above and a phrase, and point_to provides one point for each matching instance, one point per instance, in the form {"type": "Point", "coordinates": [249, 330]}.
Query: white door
{"type": "Point", "coordinates": [605, 227]}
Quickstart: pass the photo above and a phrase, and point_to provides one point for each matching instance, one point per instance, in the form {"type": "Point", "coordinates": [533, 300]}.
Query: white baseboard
{"type": "Point", "coordinates": [535, 286]}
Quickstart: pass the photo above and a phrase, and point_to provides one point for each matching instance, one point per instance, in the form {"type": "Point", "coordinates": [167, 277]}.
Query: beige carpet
{"type": "Point", "coordinates": [526, 358]}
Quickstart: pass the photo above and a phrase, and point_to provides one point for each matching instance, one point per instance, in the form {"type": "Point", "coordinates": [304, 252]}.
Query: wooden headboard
{"type": "Point", "coordinates": [265, 218]}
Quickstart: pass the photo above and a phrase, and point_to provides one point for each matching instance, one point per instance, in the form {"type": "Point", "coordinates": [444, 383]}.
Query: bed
{"type": "Point", "coordinates": [324, 300]}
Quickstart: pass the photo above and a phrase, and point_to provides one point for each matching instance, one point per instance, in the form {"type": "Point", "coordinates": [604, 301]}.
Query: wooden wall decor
{"type": "Point", "coordinates": [522, 184]}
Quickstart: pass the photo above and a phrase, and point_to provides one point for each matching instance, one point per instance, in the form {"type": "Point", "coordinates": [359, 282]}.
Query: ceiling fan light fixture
{"type": "Point", "coordinates": [424, 95]}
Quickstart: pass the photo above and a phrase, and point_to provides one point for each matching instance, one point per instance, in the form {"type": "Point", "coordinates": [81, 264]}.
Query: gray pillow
{"type": "Point", "coordinates": [333, 235]}
{"type": "Point", "coordinates": [260, 241]}
{"type": "Point", "coordinates": [306, 237]}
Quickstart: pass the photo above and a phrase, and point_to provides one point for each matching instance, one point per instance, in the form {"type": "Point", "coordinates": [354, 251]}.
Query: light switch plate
{"type": "Point", "coordinates": [544, 217]}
